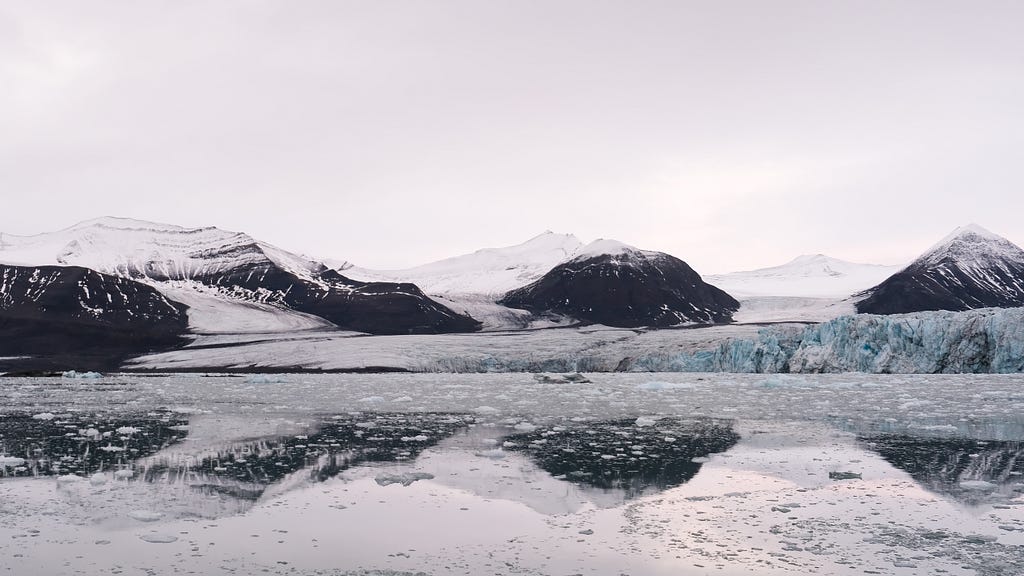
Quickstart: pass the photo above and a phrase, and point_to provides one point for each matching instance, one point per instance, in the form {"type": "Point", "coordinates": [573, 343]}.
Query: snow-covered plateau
{"type": "Point", "coordinates": [976, 341]}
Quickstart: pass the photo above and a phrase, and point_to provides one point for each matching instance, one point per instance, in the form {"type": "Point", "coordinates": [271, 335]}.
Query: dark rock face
{"type": "Point", "coordinates": [372, 307]}
{"type": "Point", "coordinates": [80, 318]}
{"type": "Point", "coordinates": [974, 269]}
{"type": "Point", "coordinates": [628, 289]}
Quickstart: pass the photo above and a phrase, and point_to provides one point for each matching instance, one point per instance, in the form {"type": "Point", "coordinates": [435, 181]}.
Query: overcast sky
{"type": "Point", "coordinates": [732, 134]}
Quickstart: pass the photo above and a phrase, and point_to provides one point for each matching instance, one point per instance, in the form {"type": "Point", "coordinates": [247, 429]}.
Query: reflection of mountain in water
{"type": "Point", "coordinates": [634, 456]}
{"type": "Point", "coordinates": [971, 471]}
{"type": "Point", "coordinates": [83, 444]}
{"type": "Point", "coordinates": [246, 470]}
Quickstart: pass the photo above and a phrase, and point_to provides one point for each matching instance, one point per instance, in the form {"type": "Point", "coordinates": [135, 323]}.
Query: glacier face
{"type": "Point", "coordinates": [976, 341]}
{"type": "Point", "coordinates": [989, 340]}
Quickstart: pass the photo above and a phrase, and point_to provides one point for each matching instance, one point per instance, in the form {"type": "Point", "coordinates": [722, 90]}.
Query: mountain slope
{"type": "Point", "coordinates": [971, 268]}
{"type": "Point", "coordinates": [240, 269]}
{"type": "Point", "coordinates": [73, 312]}
{"type": "Point", "coordinates": [617, 285]}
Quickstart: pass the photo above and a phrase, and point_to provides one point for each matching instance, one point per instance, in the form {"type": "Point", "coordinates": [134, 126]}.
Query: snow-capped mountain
{"type": "Point", "coordinates": [809, 275]}
{"type": "Point", "coordinates": [970, 268]}
{"type": "Point", "coordinates": [237, 269]}
{"type": "Point", "coordinates": [611, 283]}
{"type": "Point", "coordinates": [489, 272]}
{"type": "Point", "coordinates": [69, 311]}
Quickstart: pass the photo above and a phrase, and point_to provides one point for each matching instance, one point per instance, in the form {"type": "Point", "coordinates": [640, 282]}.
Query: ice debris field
{"type": "Point", "coordinates": [512, 474]}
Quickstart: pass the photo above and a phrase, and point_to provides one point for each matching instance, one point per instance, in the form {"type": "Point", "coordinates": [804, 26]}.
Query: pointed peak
{"type": "Point", "coordinates": [971, 233]}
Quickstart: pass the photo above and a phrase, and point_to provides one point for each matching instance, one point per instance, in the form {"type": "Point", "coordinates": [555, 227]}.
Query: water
{"type": "Point", "coordinates": [506, 474]}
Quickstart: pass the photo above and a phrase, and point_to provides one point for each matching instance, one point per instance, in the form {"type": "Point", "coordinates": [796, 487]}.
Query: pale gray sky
{"type": "Point", "coordinates": [733, 134]}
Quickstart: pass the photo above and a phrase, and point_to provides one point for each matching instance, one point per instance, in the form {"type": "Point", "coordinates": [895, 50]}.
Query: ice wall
{"type": "Point", "coordinates": [978, 341]}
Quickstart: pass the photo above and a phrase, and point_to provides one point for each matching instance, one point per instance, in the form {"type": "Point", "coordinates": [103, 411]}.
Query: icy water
{"type": "Point", "coordinates": [639, 474]}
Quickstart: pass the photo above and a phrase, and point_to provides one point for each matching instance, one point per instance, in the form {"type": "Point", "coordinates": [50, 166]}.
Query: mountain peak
{"type": "Point", "coordinates": [604, 247]}
{"type": "Point", "coordinates": [972, 244]}
{"type": "Point", "coordinates": [970, 233]}
{"type": "Point", "coordinates": [969, 268]}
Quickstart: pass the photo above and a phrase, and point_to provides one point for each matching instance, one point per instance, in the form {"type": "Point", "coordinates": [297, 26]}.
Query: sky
{"type": "Point", "coordinates": [732, 134]}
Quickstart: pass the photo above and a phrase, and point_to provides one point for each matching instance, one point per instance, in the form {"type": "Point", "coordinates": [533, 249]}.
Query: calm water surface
{"type": "Point", "coordinates": [504, 474]}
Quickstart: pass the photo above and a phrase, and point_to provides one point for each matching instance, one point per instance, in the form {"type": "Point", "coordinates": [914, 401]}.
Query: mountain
{"type": "Point", "coordinates": [970, 268]}
{"type": "Point", "coordinates": [472, 283]}
{"type": "Point", "coordinates": [237, 269]}
{"type": "Point", "coordinates": [491, 271]}
{"type": "Point", "coordinates": [69, 312]}
{"type": "Point", "coordinates": [810, 276]}
{"type": "Point", "coordinates": [607, 282]}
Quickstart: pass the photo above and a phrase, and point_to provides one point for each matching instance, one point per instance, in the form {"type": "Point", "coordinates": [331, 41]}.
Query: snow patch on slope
{"type": "Point", "coordinates": [210, 311]}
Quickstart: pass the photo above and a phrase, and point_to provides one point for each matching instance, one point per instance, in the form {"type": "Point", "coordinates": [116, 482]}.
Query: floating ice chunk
{"type": "Point", "coordinates": [11, 461]}
{"type": "Point", "coordinates": [81, 375]}
{"type": "Point", "coordinates": [372, 399]}
{"type": "Point", "coordinates": [419, 438]}
{"type": "Point", "coordinates": [646, 421]}
{"type": "Point", "coordinates": [403, 399]}
{"type": "Point", "coordinates": [145, 515]}
{"type": "Point", "coordinates": [495, 454]}
{"type": "Point", "coordinates": [485, 410]}
{"type": "Point", "coordinates": [109, 448]}
{"type": "Point", "coordinates": [127, 430]}
{"type": "Point", "coordinates": [934, 427]}
{"type": "Point", "coordinates": [653, 386]}
{"type": "Point", "coordinates": [265, 379]}
{"type": "Point", "coordinates": [525, 427]}
{"type": "Point", "coordinates": [979, 485]}
{"type": "Point", "coordinates": [158, 538]}
{"type": "Point", "coordinates": [44, 416]}
{"type": "Point", "coordinates": [405, 479]}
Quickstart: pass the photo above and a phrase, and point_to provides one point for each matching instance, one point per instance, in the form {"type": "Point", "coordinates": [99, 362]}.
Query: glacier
{"type": "Point", "coordinates": [981, 341]}
{"type": "Point", "coordinates": [975, 341]}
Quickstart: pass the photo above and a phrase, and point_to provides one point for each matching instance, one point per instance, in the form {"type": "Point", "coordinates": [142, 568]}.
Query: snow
{"type": "Point", "coordinates": [488, 272]}
{"type": "Point", "coordinates": [807, 276]}
{"type": "Point", "coordinates": [774, 309]}
{"type": "Point", "coordinates": [604, 247]}
{"type": "Point", "coordinates": [213, 311]}
{"type": "Point", "coordinates": [168, 258]}
{"type": "Point", "coordinates": [972, 249]}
